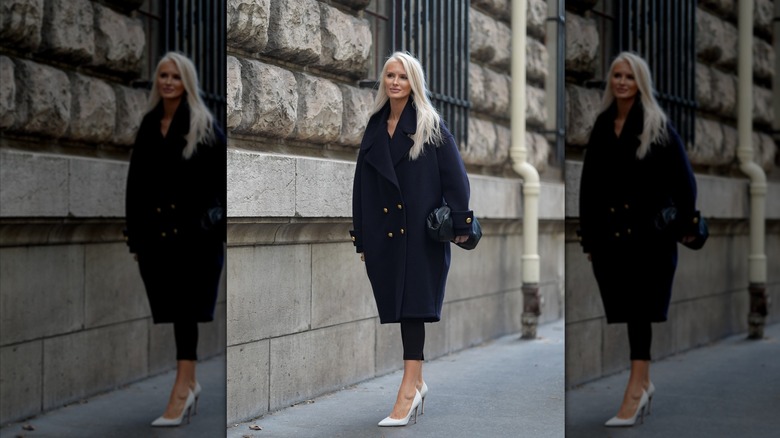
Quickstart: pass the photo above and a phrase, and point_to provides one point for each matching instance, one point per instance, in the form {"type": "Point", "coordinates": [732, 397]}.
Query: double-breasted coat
{"type": "Point", "coordinates": [392, 198]}
{"type": "Point", "coordinates": [180, 250]}
{"type": "Point", "coordinates": [621, 197]}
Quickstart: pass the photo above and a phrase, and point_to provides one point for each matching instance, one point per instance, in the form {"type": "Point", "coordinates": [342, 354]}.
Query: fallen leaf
{"type": "Point", "coordinates": [255, 427]}
{"type": "Point", "coordinates": [28, 427]}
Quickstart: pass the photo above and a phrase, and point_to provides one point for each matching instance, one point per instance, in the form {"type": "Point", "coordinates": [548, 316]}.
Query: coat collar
{"type": "Point", "coordinates": [376, 141]}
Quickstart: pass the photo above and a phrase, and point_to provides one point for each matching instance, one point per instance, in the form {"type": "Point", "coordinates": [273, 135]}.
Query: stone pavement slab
{"type": "Point", "coordinates": [127, 412]}
{"type": "Point", "coordinates": [504, 388]}
{"type": "Point", "coordinates": [727, 389]}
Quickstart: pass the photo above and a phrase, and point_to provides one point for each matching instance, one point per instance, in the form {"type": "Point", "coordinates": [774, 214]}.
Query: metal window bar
{"type": "Point", "coordinates": [197, 28]}
{"type": "Point", "coordinates": [436, 33]}
{"type": "Point", "coordinates": [663, 32]}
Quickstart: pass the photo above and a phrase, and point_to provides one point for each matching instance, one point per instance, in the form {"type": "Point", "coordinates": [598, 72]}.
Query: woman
{"type": "Point", "coordinates": [407, 165]}
{"type": "Point", "coordinates": [635, 166]}
{"type": "Point", "coordinates": [176, 190]}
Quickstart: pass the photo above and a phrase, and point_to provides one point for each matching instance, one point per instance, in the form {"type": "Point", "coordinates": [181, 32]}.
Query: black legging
{"type": "Point", "coordinates": [186, 335]}
{"type": "Point", "coordinates": [413, 338]}
{"type": "Point", "coordinates": [640, 335]}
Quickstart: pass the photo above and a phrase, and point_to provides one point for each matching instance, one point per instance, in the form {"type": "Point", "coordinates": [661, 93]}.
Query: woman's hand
{"type": "Point", "coordinates": [688, 239]}
{"type": "Point", "coordinates": [362, 257]}
{"type": "Point", "coordinates": [461, 239]}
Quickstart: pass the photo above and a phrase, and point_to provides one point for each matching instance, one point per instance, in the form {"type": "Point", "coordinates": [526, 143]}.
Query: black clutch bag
{"type": "Point", "coordinates": [439, 227]}
{"type": "Point", "coordinates": [698, 228]}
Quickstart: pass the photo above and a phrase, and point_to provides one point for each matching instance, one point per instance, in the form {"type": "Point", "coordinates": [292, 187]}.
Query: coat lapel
{"type": "Point", "coordinates": [376, 147]}
{"type": "Point", "coordinates": [407, 125]}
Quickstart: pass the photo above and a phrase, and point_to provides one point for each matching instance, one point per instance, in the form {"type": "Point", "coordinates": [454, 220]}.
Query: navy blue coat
{"type": "Point", "coordinates": [392, 197]}
{"type": "Point", "coordinates": [620, 198]}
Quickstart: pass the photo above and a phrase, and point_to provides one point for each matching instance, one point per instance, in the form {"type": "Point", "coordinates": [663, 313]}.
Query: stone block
{"type": "Point", "coordinates": [294, 31]}
{"type": "Point", "coordinates": [583, 301]}
{"type": "Point", "coordinates": [162, 347]}
{"type": "Point", "coordinates": [21, 22]}
{"type": "Point", "coordinates": [763, 60]}
{"type": "Point", "coordinates": [7, 93]}
{"type": "Point", "coordinates": [503, 143]}
{"type": "Point", "coordinates": [581, 111]}
{"type": "Point", "coordinates": [42, 291]}
{"type": "Point", "coordinates": [536, 61]}
{"type": "Point", "coordinates": [483, 36]}
{"type": "Point", "coordinates": [43, 99]}
{"type": "Point", "coordinates": [92, 110]}
{"type": "Point", "coordinates": [355, 114]}
{"type": "Point", "coordinates": [235, 93]}
{"type": "Point", "coordinates": [33, 185]}
{"type": "Point", "coordinates": [582, 45]}
{"type": "Point", "coordinates": [708, 148]}
{"type": "Point", "coordinates": [573, 173]}
{"type": "Point", "coordinates": [492, 7]}
{"type": "Point", "coordinates": [260, 185]}
{"type": "Point", "coordinates": [269, 292]}
{"type": "Point", "coordinates": [763, 111]}
{"type": "Point", "coordinates": [302, 364]}
{"type": "Point", "coordinates": [247, 24]}
{"type": "Point", "coordinates": [84, 363]}
{"type": "Point", "coordinates": [503, 47]}
{"type": "Point", "coordinates": [764, 150]}
{"type": "Point", "coordinates": [477, 88]}
{"type": "Point", "coordinates": [346, 42]}
{"type": "Point", "coordinates": [724, 86]}
{"type": "Point", "coordinates": [552, 304]}
{"type": "Point", "coordinates": [96, 188]}
{"type": "Point", "coordinates": [497, 269]}
{"type": "Point", "coordinates": [663, 341]}
{"type": "Point", "coordinates": [212, 335]}
{"type": "Point", "coordinates": [389, 348]}
{"type": "Point", "coordinates": [436, 337]}
{"type": "Point", "coordinates": [474, 321]}
{"type": "Point", "coordinates": [130, 109]}
{"type": "Point", "coordinates": [340, 290]}
{"type": "Point", "coordinates": [319, 110]}
{"type": "Point", "coordinates": [539, 150]}
{"type": "Point", "coordinates": [20, 380]}
{"type": "Point", "coordinates": [730, 41]}
{"type": "Point", "coordinates": [536, 17]}
{"type": "Point", "coordinates": [497, 87]}
{"type": "Point", "coordinates": [536, 107]}
{"type": "Point", "coordinates": [583, 351]}
{"type": "Point", "coordinates": [269, 100]}
{"type": "Point", "coordinates": [704, 95]}
{"type": "Point", "coordinates": [247, 381]}
{"type": "Point", "coordinates": [615, 350]}
{"type": "Point", "coordinates": [763, 11]}
{"type": "Point", "coordinates": [730, 142]}
{"type": "Point", "coordinates": [493, 197]}
{"type": "Point", "coordinates": [721, 197]}
{"type": "Point", "coordinates": [323, 188]}
{"type": "Point", "coordinates": [113, 289]}
{"type": "Point", "coordinates": [481, 148]}
{"type": "Point", "coordinates": [709, 36]}
{"type": "Point", "coordinates": [68, 30]}
{"type": "Point", "coordinates": [120, 41]}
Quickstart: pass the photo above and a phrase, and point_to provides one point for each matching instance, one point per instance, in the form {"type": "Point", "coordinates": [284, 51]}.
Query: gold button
{"type": "Point", "coordinates": [389, 234]}
{"type": "Point", "coordinates": [468, 220]}
{"type": "Point", "coordinates": [126, 238]}
{"type": "Point", "coordinates": [628, 231]}
{"type": "Point", "coordinates": [695, 220]}
{"type": "Point", "coordinates": [173, 206]}
{"type": "Point", "coordinates": [353, 238]}
{"type": "Point", "coordinates": [163, 234]}
{"type": "Point", "coordinates": [611, 210]}
{"type": "Point", "coordinates": [579, 238]}
{"type": "Point", "coordinates": [175, 231]}
{"type": "Point", "coordinates": [400, 207]}
{"type": "Point", "coordinates": [625, 206]}
{"type": "Point", "coordinates": [159, 209]}
{"type": "Point", "coordinates": [385, 209]}
{"type": "Point", "coordinates": [617, 234]}
{"type": "Point", "coordinates": [402, 230]}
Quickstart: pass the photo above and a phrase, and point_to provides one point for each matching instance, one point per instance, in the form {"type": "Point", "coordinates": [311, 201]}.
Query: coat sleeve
{"type": "Point", "coordinates": [683, 182]}
{"type": "Point", "coordinates": [357, 205]}
{"type": "Point", "coordinates": [454, 183]}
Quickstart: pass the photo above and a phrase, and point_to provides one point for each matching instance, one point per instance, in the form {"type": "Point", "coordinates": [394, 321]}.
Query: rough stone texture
{"type": "Point", "coordinates": [497, 87]}
{"type": "Point", "coordinates": [261, 185]}
{"type": "Point", "coordinates": [41, 281]}
{"type": "Point", "coordinates": [725, 100]}
{"type": "Point", "coordinates": [20, 380]}
{"type": "Point", "coordinates": [92, 110]}
{"type": "Point", "coordinates": [536, 107]}
{"type": "Point", "coordinates": [235, 92]}
{"type": "Point", "coordinates": [763, 111]}
{"type": "Point", "coordinates": [346, 42]}
{"type": "Point", "coordinates": [323, 188]}
{"type": "Point", "coordinates": [582, 44]}
{"type": "Point", "coordinates": [96, 188]}
{"type": "Point", "coordinates": [21, 22]}
{"type": "Point", "coordinates": [764, 150]}
{"type": "Point", "coordinates": [111, 277]}
{"type": "Point", "coordinates": [270, 100]}
{"type": "Point", "coordinates": [536, 17]}
{"type": "Point", "coordinates": [356, 112]}
{"type": "Point", "coordinates": [7, 93]}
{"type": "Point", "coordinates": [704, 95]}
{"type": "Point", "coordinates": [496, 8]}
{"type": "Point", "coordinates": [763, 60]}
{"type": "Point", "coordinates": [763, 11]}
{"type": "Point", "coordinates": [481, 148]}
{"type": "Point", "coordinates": [538, 150]}
{"type": "Point", "coordinates": [120, 41]}
{"type": "Point", "coordinates": [294, 32]}
{"type": "Point", "coordinates": [247, 381]}
{"type": "Point", "coordinates": [33, 185]}
{"type": "Point", "coordinates": [477, 88]}
{"type": "Point", "coordinates": [334, 282]}
{"type": "Point", "coordinates": [724, 8]}
{"type": "Point", "coordinates": [708, 148]}
{"type": "Point", "coordinates": [709, 36]}
{"type": "Point", "coordinates": [730, 143]}
{"type": "Point", "coordinates": [536, 60]}
{"type": "Point", "coordinates": [503, 144]}
{"type": "Point", "coordinates": [355, 4]}
{"type": "Point", "coordinates": [503, 46]}
{"type": "Point", "coordinates": [130, 109]}
{"type": "Point", "coordinates": [581, 110]}
{"type": "Point", "coordinates": [319, 109]}
{"type": "Point", "coordinates": [68, 30]}
{"type": "Point", "coordinates": [730, 42]}
{"type": "Point", "coordinates": [483, 36]}
{"type": "Point", "coordinates": [247, 24]}
{"type": "Point", "coordinates": [43, 99]}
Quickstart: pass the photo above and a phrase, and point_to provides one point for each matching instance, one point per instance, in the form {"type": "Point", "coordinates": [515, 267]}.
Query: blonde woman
{"type": "Point", "coordinates": [408, 163]}
{"type": "Point", "coordinates": [635, 167]}
{"type": "Point", "coordinates": [176, 190]}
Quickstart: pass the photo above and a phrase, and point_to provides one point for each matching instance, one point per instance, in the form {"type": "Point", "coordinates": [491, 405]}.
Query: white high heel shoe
{"type": "Point", "coordinates": [650, 391]}
{"type": "Point", "coordinates": [196, 394]}
{"type": "Point", "coordinates": [640, 412]}
{"type": "Point", "coordinates": [423, 393]}
{"type": "Point", "coordinates": [389, 422]}
{"type": "Point", "coordinates": [170, 422]}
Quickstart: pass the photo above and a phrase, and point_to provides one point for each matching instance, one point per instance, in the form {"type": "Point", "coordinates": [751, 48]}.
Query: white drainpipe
{"type": "Point", "coordinates": [758, 185]}
{"type": "Point", "coordinates": [520, 164]}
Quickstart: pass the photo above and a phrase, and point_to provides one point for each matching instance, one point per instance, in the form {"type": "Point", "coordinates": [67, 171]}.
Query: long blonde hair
{"type": "Point", "coordinates": [428, 119]}
{"type": "Point", "coordinates": [201, 120]}
{"type": "Point", "coordinates": [654, 117]}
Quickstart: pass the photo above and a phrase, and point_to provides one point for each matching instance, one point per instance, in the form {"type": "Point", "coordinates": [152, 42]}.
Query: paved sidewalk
{"type": "Point", "coordinates": [505, 388]}
{"type": "Point", "coordinates": [728, 389]}
{"type": "Point", "coordinates": [128, 411]}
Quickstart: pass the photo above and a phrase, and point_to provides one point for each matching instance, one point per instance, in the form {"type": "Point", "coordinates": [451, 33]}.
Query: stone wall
{"type": "Point", "coordinates": [299, 300]}
{"type": "Point", "coordinates": [705, 306]}
{"type": "Point", "coordinates": [74, 315]}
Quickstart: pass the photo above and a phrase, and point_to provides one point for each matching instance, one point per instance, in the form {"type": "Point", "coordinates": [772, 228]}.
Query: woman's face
{"type": "Point", "coordinates": [623, 82]}
{"type": "Point", "coordinates": [169, 81]}
{"type": "Point", "coordinates": [397, 83]}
